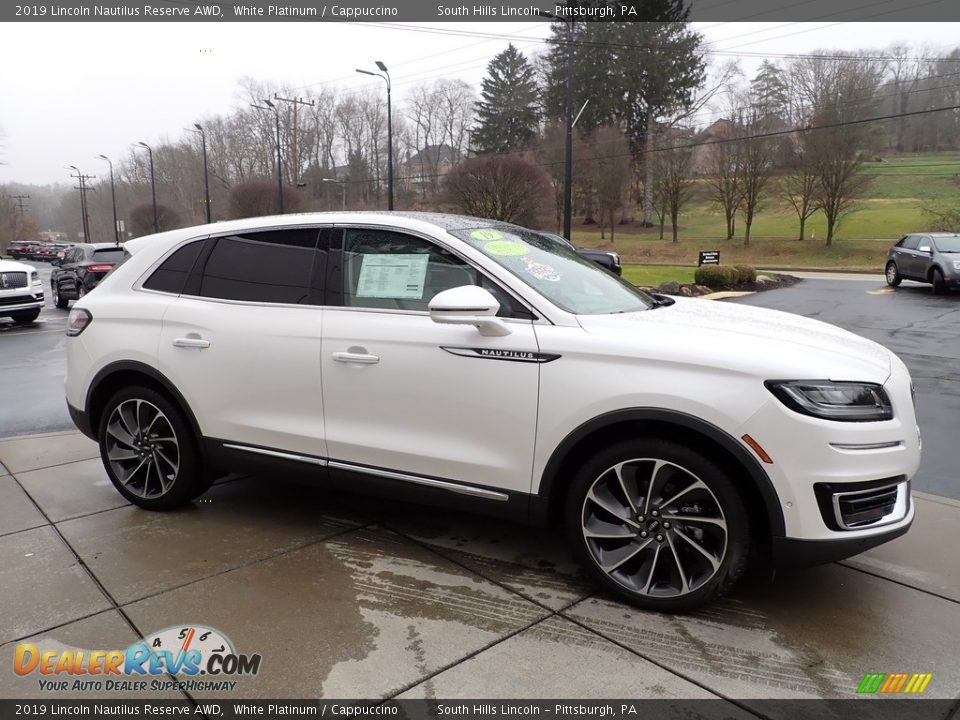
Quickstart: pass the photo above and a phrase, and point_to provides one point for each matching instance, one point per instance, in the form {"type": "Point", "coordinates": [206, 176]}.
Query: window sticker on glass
{"type": "Point", "coordinates": [392, 276]}
{"type": "Point", "coordinates": [541, 271]}
{"type": "Point", "coordinates": [506, 248]}
{"type": "Point", "coordinates": [486, 234]}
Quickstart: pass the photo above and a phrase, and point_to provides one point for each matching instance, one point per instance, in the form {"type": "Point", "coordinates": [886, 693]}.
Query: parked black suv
{"type": "Point", "coordinates": [603, 258]}
{"type": "Point", "coordinates": [82, 267]}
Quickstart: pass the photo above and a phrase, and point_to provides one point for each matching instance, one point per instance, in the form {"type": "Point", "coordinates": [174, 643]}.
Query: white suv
{"type": "Point", "coordinates": [464, 361]}
{"type": "Point", "coordinates": [21, 294]}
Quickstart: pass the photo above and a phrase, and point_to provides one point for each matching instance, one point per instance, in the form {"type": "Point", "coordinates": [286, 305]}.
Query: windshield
{"type": "Point", "coordinates": [556, 272]}
{"type": "Point", "coordinates": [948, 244]}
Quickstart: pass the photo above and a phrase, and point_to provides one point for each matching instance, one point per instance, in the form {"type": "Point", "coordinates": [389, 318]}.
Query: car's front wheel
{"type": "Point", "coordinates": [893, 275]}
{"type": "Point", "coordinates": [939, 284]}
{"type": "Point", "coordinates": [658, 524]}
{"type": "Point", "coordinates": [148, 449]}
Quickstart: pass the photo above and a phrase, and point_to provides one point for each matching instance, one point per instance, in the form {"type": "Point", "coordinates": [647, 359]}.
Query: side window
{"type": "Point", "coordinates": [910, 242]}
{"type": "Point", "coordinates": [172, 273]}
{"type": "Point", "coordinates": [389, 270]}
{"type": "Point", "coordinates": [272, 266]}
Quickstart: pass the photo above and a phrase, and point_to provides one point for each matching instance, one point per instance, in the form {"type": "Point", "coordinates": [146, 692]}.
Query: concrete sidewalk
{"type": "Point", "coordinates": [345, 596]}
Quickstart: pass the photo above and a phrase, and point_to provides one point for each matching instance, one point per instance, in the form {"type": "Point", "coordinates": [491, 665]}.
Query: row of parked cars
{"type": "Point", "coordinates": [38, 252]}
{"type": "Point", "coordinates": [77, 270]}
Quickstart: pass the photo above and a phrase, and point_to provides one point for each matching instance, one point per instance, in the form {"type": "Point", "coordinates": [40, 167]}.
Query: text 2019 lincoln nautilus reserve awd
{"type": "Point", "coordinates": [457, 360]}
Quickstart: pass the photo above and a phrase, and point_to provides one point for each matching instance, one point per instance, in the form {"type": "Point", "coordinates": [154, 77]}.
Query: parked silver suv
{"type": "Point", "coordinates": [926, 257]}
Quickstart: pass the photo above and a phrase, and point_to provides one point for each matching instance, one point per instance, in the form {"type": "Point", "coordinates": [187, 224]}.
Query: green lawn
{"type": "Point", "coordinates": [902, 187]}
{"type": "Point", "coordinates": [653, 275]}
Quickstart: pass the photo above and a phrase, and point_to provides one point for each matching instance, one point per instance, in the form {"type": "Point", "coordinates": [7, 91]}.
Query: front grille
{"type": "Point", "coordinates": [17, 300]}
{"type": "Point", "coordinates": [10, 280]}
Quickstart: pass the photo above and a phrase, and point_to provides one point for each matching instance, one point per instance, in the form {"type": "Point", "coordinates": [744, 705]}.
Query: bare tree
{"type": "Point", "coordinates": [726, 180]}
{"type": "Point", "coordinates": [798, 186]}
{"type": "Point", "coordinates": [610, 171]}
{"type": "Point", "coordinates": [674, 181]}
{"type": "Point", "coordinates": [549, 154]}
{"type": "Point", "coordinates": [497, 187]}
{"type": "Point", "coordinates": [756, 153]}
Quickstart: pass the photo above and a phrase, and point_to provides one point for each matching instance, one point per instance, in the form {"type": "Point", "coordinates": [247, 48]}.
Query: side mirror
{"type": "Point", "coordinates": [925, 249]}
{"type": "Point", "coordinates": [468, 305]}
{"type": "Point", "coordinates": [55, 262]}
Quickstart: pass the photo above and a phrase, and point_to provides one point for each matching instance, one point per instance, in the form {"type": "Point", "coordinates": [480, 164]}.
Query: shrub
{"type": "Point", "coordinates": [498, 187]}
{"type": "Point", "coordinates": [745, 274]}
{"type": "Point", "coordinates": [715, 276]}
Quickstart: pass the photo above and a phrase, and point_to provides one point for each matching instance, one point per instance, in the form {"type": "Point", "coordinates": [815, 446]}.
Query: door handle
{"type": "Point", "coordinates": [351, 357]}
{"type": "Point", "coordinates": [191, 342]}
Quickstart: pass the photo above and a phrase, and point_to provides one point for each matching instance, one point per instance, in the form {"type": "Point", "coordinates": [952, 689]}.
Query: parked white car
{"type": "Point", "coordinates": [21, 294]}
{"type": "Point", "coordinates": [469, 362]}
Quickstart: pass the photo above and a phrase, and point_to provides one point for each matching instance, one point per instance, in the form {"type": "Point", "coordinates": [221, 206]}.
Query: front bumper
{"type": "Point", "coordinates": [29, 301]}
{"type": "Point", "coordinates": [792, 552]}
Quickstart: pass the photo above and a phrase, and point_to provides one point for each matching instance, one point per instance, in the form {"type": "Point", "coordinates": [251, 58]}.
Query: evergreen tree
{"type": "Point", "coordinates": [769, 91]}
{"type": "Point", "coordinates": [509, 114]}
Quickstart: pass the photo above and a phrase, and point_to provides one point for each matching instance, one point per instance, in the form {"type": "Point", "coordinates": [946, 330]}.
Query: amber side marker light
{"type": "Point", "coordinates": [761, 453]}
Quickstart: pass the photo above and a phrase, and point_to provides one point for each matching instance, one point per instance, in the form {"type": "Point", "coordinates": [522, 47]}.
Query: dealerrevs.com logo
{"type": "Point", "coordinates": [202, 658]}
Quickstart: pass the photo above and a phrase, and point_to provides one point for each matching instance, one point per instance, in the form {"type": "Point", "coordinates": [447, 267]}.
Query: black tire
{"type": "Point", "coordinates": [58, 300]}
{"type": "Point", "coordinates": [27, 316]}
{"type": "Point", "coordinates": [148, 460]}
{"type": "Point", "coordinates": [716, 521]}
{"type": "Point", "coordinates": [893, 275]}
{"type": "Point", "coordinates": [939, 284]}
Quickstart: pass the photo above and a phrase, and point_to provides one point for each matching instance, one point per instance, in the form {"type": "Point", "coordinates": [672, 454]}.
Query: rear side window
{"type": "Point", "coordinates": [173, 272]}
{"type": "Point", "coordinates": [910, 242]}
{"type": "Point", "coordinates": [271, 267]}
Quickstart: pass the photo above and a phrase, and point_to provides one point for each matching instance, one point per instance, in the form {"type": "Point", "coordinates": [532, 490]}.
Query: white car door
{"type": "Point", "coordinates": [407, 395]}
{"type": "Point", "coordinates": [242, 342]}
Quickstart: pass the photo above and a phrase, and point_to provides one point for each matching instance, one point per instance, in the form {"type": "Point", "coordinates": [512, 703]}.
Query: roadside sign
{"type": "Point", "coordinates": [708, 257]}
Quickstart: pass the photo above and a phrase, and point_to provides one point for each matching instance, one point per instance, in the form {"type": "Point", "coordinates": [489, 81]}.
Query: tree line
{"type": "Point", "coordinates": [660, 120]}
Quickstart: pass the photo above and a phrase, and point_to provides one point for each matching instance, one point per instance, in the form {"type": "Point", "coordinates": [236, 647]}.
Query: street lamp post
{"type": "Point", "coordinates": [206, 174]}
{"type": "Point", "coordinates": [276, 112]}
{"type": "Point", "coordinates": [568, 135]}
{"type": "Point", "coordinates": [386, 77]}
{"type": "Point", "coordinates": [343, 185]}
{"type": "Point", "coordinates": [113, 197]}
{"type": "Point", "coordinates": [153, 187]}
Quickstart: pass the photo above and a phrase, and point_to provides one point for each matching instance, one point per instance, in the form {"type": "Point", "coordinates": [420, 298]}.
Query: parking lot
{"type": "Point", "coordinates": [344, 596]}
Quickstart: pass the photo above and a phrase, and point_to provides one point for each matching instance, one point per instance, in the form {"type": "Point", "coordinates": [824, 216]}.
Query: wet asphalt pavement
{"type": "Point", "coordinates": [923, 329]}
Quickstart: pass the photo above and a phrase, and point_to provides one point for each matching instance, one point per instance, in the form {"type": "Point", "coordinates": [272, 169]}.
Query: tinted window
{"type": "Point", "coordinates": [111, 255]}
{"type": "Point", "coordinates": [910, 242]}
{"type": "Point", "coordinates": [273, 266]}
{"type": "Point", "coordinates": [172, 273]}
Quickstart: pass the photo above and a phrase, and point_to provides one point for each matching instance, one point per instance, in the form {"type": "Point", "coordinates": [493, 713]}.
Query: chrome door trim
{"type": "Point", "coordinates": [420, 480]}
{"type": "Point", "coordinates": [277, 454]}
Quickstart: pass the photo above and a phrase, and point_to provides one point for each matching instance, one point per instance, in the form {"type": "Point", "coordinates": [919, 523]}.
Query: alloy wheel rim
{"type": "Point", "coordinates": [891, 273]}
{"type": "Point", "coordinates": [142, 448]}
{"type": "Point", "coordinates": [654, 528]}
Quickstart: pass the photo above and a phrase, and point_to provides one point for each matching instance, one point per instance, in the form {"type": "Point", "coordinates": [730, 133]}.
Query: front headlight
{"type": "Point", "coordinates": [616, 259]}
{"type": "Point", "coordinates": [34, 277]}
{"type": "Point", "coordinates": [956, 264]}
{"type": "Point", "coordinates": [829, 400]}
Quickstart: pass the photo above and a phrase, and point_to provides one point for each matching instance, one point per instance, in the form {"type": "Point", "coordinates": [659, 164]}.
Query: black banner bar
{"type": "Point", "coordinates": [471, 11]}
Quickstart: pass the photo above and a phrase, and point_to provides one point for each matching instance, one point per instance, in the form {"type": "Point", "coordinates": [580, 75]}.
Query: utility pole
{"type": "Point", "coordinates": [206, 171]}
{"type": "Point", "coordinates": [568, 136]}
{"type": "Point", "coordinates": [19, 199]}
{"type": "Point", "coordinates": [83, 187]}
{"type": "Point", "coordinates": [113, 198]}
{"type": "Point", "coordinates": [294, 155]}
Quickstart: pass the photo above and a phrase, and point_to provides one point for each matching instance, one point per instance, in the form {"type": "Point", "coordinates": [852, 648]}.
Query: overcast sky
{"type": "Point", "coordinates": [71, 91]}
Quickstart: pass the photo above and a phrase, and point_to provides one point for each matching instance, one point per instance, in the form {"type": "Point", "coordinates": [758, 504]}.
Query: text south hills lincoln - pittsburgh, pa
{"type": "Point", "coordinates": [600, 13]}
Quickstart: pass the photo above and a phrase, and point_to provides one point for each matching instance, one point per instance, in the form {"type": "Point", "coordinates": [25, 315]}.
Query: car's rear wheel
{"type": "Point", "coordinates": [27, 316]}
{"type": "Point", "coordinates": [148, 449]}
{"type": "Point", "coordinates": [658, 524]}
{"type": "Point", "coordinates": [58, 300]}
{"type": "Point", "coordinates": [893, 275]}
{"type": "Point", "coordinates": [939, 284]}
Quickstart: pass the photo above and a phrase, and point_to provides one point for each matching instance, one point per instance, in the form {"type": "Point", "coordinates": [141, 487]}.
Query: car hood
{"type": "Point", "coordinates": [14, 266]}
{"type": "Point", "coordinates": [745, 338]}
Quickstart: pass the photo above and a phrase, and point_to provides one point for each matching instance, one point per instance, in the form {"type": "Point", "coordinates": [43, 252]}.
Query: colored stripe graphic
{"type": "Point", "coordinates": [894, 683]}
